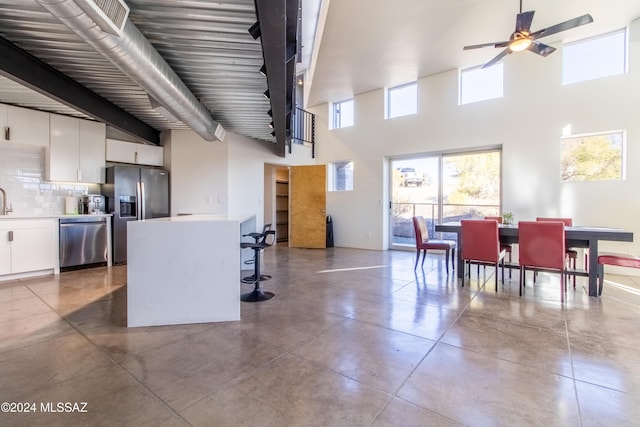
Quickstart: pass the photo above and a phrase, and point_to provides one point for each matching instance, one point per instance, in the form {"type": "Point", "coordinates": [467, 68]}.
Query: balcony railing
{"type": "Point", "coordinates": [403, 212]}
{"type": "Point", "coordinates": [303, 125]}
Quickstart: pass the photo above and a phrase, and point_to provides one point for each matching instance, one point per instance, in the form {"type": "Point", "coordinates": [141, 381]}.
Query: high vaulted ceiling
{"type": "Point", "coordinates": [370, 45]}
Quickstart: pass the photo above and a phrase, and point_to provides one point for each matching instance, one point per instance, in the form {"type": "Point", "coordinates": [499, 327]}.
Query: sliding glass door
{"type": "Point", "coordinates": [442, 188]}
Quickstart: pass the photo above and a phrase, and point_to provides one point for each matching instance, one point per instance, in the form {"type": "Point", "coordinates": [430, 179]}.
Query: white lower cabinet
{"type": "Point", "coordinates": [28, 245]}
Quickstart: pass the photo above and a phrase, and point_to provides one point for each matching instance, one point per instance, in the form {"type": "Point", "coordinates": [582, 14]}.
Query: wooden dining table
{"type": "Point", "coordinates": [576, 237]}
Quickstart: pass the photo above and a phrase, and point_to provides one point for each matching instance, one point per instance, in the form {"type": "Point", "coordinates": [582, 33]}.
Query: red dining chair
{"type": "Point", "coordinates": [619, 260]}
{"type": "Point", "coordinates": [481, 245]}
{"type": "Point", "coordinates": [542, 247]}
{"type": "Point", "coordinates": [572, 254]}
{"type": "Point", "coordinates": [424, 244]}
{"type": "Point", "coordinates": [508, 248]}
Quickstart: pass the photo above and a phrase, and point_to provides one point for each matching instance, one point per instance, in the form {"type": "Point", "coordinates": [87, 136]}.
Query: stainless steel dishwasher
{"type": "Point", "coordinates": [83, 241]}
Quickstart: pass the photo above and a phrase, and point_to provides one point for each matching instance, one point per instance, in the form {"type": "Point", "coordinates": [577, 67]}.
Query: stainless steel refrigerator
{"type": "Point", "coordinates": [134, 193]}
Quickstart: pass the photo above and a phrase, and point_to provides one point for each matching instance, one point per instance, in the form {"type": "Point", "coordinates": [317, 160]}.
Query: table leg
{"type": "Point", "coordinates": [460, 266]}
{"type": "Point", "coordinates": [593, 268]}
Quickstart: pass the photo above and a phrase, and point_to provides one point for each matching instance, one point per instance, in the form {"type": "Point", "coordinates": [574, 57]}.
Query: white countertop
{"type": "Point", "coordinates": [10, 216]}
{"type": "Point", "coordinates": [203, 217]}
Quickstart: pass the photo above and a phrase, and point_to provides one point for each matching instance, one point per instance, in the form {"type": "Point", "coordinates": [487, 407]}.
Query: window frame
{"type": "Point", "coordinates": [568, 45]}
{"type": "Point", "coordinates": [461, 86]}
{"type": "Point", "coordinates": [388, 99]}
{"type": "Point", "coordinates": [623, 154]}
{"type": "Point", "coordinates": [332, 176]}
{"type": "Point", "coordinates": [337, 118]}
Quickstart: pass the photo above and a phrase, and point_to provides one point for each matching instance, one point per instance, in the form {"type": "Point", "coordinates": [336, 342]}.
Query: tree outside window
{"type": "Point", "coordinates": [593, 157]}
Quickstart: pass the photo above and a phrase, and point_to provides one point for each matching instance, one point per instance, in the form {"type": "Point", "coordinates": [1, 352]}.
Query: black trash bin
{"type": "Point", "coordinates": [329, 232]}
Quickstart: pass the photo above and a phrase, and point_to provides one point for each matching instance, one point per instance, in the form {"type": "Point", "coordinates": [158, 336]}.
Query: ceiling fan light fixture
{"type": "Point", "coordinates": [520, 43]}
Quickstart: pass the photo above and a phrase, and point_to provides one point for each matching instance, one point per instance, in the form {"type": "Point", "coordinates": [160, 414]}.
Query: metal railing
{"type": "Point", "coordinates": [403, 212]}
{"type": "Point", "coordinates": [303, 125]}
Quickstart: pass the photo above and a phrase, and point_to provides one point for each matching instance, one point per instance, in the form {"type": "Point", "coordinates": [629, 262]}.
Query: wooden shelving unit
{"type": "Point", "coordinates": [282, 210]}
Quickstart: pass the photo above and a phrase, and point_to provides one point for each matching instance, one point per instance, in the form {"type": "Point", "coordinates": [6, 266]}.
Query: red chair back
{"type": "Point", "coordinates": [494, 218]}
{"type": "Point", "coordinates": [542, 244]}
{"type": "Point", "coordinates": [480, 240]}
{"type": "Point", "coordinates": [420, 229]}
{"type": "Point", "coordinates": [567, 221]}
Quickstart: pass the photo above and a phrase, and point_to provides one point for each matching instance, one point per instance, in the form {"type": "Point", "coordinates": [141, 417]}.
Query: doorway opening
{"type": "Point", "coordinates": [276, 200]}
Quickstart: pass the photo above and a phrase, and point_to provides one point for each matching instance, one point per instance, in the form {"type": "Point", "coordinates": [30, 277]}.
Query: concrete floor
{"type": "Point", "coordinates": [352, 337]}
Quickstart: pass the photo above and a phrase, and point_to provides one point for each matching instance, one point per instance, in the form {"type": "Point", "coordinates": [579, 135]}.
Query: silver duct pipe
{"type": "Point", "coordinates": [137, 58]}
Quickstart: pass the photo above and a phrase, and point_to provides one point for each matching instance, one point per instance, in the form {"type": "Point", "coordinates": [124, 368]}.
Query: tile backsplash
{"type": "Point", "coordinates": [22, 176]}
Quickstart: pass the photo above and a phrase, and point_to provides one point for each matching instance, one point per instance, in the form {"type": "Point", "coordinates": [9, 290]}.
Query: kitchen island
{"type": "Point", "coordinates": [185, 269]}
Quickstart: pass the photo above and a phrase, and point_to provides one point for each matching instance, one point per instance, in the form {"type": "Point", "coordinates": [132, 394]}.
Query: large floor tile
{"type": "Point", "coordinates": [539, 348]}
{"type": "Point", "coordinates": [374, 355]}
{"type": "Point", "coordinates": [111, 395]}
{"type": "Point", "coordinates": [48, 363]}
{"type": "Point", "coordinates": [474, 389]}
{"type": "Point", "coordinates": [12, 290]}
{"type": "Point", "coordinates": [22, 332]}
{"type": "Point", "coordinates": [291, 391]}
{"type": "Point", "coordinates": [603, 407]}
{"type": "Point", "coordinates": [402, 413]}
{"type": "Point", "coordinates": [426, 321]}
{"type": "Point", "coordinates": [184, 371]}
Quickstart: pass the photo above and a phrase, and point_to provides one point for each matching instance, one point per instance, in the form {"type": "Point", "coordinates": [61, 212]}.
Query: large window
{"type": "Point", "coordinates": [402, 101]}
{"type": "Point", "coordinates": [340, 176]}
{"type": "Point", "coordinates": [596, 57]}
{"type": "Point", "coordinates": [595, 157]}
{"type": "Point", "coordinates": [342, 114]}
{"type": "Point", "coordinates": [479, 84]}
{"type": "Point", "coordinates": [441, 188]}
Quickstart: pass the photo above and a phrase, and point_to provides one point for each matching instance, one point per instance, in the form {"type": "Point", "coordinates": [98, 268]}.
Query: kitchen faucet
{"type": "Point", "coordinates": [5, 209]}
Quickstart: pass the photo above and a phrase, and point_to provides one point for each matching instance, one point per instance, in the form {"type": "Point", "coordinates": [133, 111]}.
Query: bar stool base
{"type": "Point", "coordinates": [252, 278]}
{"type": "Point", "coordinates": [256, 295]}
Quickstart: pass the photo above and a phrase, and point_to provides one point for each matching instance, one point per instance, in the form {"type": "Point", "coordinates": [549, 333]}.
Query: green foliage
{"type": "Point", "coordinates": [594, 158]}
{"type": "Point", "coordinates": [477, 178]}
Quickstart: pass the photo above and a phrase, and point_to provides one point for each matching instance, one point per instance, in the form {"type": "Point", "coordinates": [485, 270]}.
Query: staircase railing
{"type": "Point", "coordinates": [303, 124]}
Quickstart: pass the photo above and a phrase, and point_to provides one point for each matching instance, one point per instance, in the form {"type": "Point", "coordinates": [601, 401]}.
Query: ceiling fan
{"type": "Point", "coordinates": [524, 39]}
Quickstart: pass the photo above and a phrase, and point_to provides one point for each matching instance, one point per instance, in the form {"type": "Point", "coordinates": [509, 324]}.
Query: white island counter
{"type": "Point", "coordinates": [185, 269]}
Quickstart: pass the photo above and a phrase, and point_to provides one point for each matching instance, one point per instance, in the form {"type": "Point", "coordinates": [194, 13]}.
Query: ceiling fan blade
{"type": "Point", "coordinates": [541, 48]}
{"type": "Point", "coordinates": [497, 58]}
{"type": "Point", "coordinates": [493, 44]}
{"type": "Point", "coordinates": [523, 21]}
{"type": "Point", "coordinates": [563, 26]}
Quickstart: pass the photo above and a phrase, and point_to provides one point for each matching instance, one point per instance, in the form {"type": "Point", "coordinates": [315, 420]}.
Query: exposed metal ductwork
{"type": "Point", "coordinates": [135, 56]}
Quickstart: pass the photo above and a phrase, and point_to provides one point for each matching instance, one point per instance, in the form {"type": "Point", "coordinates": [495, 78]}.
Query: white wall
{"type": "Point", "coordinates": [198, 173]}
{"type": "Point", "coordinates": [247, 159]}
{"type": "Point", "coordinates": [527, 122]}
{"type": "Point", "coordinates": [227, 177]}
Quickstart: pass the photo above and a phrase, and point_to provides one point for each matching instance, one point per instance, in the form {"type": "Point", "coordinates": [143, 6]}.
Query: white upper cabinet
{"type": "Point", "coordinates": [64, 152]}
{"type": "Point", "coordinates": [24, 126]}
{"type": "Point", "coordinates": [92, 151]}
{"type": "Point", "coordinates": [76, 150]}
{"type": "Point", "coordinates": [130, 152]}
{"type": "Point", "coordinates": [4, 127]}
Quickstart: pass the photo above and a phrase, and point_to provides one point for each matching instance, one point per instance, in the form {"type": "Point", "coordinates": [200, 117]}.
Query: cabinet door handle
{"type": "Point", "coordinates": [11, 236]}
{"type": "Point", "coordinates": [135, 157]}
{"type": "Point", "coordinates": [7, 133]}
{"type": "Point", "coordinates": [79, 175]}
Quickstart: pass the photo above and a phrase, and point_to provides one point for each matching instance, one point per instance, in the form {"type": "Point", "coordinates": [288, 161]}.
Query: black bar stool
{"type": "Point", "coordinates": [257, 236]}
{"type": "Point", "coordinates": [258, 294]}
